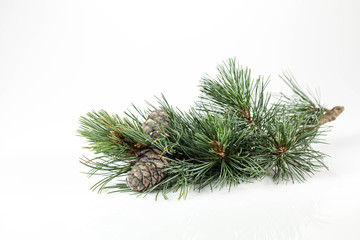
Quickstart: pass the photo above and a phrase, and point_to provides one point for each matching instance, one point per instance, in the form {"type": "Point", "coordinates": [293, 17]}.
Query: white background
{"type": "Point", "coordinates": [60, 59]}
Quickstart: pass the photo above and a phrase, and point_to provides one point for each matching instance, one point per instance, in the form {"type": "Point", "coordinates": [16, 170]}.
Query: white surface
{"type": "Point", "coordinates": [60, 59]}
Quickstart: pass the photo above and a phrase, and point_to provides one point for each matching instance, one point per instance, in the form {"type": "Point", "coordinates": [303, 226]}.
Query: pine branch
{"type": "Point", "coordinates": [289, 141]}
{"type": "Point", "coordinates": [235, 133]}
{"type": "Point", "coordinates": [112, 136]}
{"type": "Point", "coordinates": [233, 89]}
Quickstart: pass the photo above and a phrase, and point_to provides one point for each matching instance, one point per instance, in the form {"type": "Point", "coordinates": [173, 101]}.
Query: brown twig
{"type": "Point", "coordinates": [219, 149]}
{"type": "Point", "coordinates": [331, 115]}
{"type": "Point", "coordinates": [122, 139]}
{"type": "Point", "coordinates": [281, 150]}
{"type": "Point", "coordinates": [119, 136]}
{"type": "Point", "coordinates": [246, 114]}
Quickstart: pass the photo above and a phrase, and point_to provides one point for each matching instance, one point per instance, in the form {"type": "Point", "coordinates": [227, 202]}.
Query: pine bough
{"type": "Point", "coordinates": [236, 132]}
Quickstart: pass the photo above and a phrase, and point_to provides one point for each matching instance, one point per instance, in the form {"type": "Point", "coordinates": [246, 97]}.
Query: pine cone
{"type": "Point", "coordinates": [149, 167]}
{"type": "Point", "coordinates": [154, 121]}
{"type": "Point", "coordinates": [147, 171]}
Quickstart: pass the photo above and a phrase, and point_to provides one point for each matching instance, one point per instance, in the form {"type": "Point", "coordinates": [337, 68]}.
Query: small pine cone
{"type": "Point", "coordinates": [147, 171]}
{"type": "Point", "coordinates": [153, 123]}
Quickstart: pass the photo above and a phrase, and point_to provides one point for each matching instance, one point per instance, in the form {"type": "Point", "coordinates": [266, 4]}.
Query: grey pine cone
{"type": "Point", "coordinates": [153, 123]}
{"type": "Point", "coordinates": [147, 171]}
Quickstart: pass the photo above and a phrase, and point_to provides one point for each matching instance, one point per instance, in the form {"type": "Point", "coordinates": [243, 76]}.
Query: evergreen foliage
{"type": "Point", "coordinates": [237, 132]}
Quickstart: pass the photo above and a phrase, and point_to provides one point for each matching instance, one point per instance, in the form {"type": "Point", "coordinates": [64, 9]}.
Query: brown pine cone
{"type": "Point", "coordinates": [153, 123]}
{"type": "Point", "coordinates": [147, 171]}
